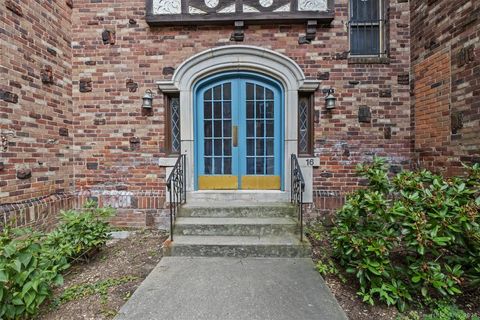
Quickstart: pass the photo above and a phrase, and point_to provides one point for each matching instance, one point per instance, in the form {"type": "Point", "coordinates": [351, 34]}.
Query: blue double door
{"type": "Point", "coordinates": [239, 133]}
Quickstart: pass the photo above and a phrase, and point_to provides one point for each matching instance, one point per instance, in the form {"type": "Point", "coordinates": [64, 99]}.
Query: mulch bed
{"type": "Point", "coordinates": [133, 257]}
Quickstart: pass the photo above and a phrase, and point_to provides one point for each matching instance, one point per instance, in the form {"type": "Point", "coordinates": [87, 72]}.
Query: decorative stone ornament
{"type": "Point", "coordinates": [14, 7]}
{"type": "Point", "coordinates": [238, 34]}
{"type": "Point", "coordinates": [8, 96]}
{"type": "Point", "coordinates": [364, 114]}
{"type": "Point", "coordinates": [131, 85]}
{"type": "Point", "coordinates": [310, 34]}
{"type": "Point", "coordinates": [85, 85]}
{"type": "Point", "coordinates": [108, 37]}
{"type": "Point", "coordinates": [23, 174]}
{"type": "Point", "coordinates": [47, 75]}
{"type": "Point", "coordinates": [63, 132]}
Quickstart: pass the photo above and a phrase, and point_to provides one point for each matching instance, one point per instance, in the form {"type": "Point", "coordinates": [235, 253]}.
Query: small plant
{"type": "Point", "coordinates": [442, 310]}
{"type": "Point", "coordinates": [31, 263]}
{"type": "Point", "coordinates": [417, 234]}
{"type": "Point", "coordinates": [87, 289]}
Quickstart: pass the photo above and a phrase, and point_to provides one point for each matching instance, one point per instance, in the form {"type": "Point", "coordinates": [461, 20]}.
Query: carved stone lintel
{"type": "Point", "coordinates": [24, 174]}
{"type": "Point", "coordinates": [85, 85]}
{"type": "Point", "coordinates": [8, 96]}
{"type": "Point", "coordinates": [238, 34]}
{"type": "Point", "coordinates": [310, 32]}
{"type": "Point", "coordinates": [47, 75]}
{"type": "Point", "coordinates": [131, 85]}
{"type": "Point", "coordinates": [108, 36]}
{"type": "Point", "coordinates": [14, 7]}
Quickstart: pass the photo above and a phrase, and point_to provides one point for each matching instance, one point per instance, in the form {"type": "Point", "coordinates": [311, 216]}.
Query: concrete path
{"type": "Point", "coordinates": [185, 288]}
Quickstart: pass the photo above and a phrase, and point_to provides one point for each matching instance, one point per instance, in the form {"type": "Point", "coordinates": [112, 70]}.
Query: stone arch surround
{"type": "Point", "coordinates": [237, 58]}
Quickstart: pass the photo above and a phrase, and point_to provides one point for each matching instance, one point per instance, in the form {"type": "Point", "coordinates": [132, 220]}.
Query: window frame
{"type": "Point", "coordinates": [382, 26]}
{"type": "Point", "coordinates": [168, 123]}
{"type": "Point", "coordinates": [310, 97]}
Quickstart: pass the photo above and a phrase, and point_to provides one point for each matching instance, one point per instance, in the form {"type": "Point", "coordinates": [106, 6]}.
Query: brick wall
{"type": "Point", "coordinates": [446, 67]}
{"type": "Point", "coordinates": [35, 104]}
{"type": "Point", "coordinates": [108, 116]}
{"type": "Point", "coordinates": [36, 167]}
{"type": "Point", "coordinates": [87, 128]}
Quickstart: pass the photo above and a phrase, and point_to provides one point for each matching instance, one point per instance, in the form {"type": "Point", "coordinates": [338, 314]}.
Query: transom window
{"type": "Point", "coordinates": [366, 28]}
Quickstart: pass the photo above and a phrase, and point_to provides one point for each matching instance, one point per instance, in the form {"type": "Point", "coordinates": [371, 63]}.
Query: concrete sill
{"type": "Point", "coordinates": [368, 60]}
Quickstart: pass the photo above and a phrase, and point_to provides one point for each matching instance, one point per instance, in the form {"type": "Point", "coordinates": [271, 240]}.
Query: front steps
{"type": "Point", "coordinates": [225, 229]}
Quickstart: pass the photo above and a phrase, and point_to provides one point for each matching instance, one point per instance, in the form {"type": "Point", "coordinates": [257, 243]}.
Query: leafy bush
{"type": "Point", "coordinates": [80, 232]}
{"type": "Point", "coordinates": [416, 234]}
{"type": "Point", "coordinates": [32, 262]}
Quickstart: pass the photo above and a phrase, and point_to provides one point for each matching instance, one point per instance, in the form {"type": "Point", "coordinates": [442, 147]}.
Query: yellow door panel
{"type": "Point", "coordinates": [218, 182]}
{"type": "Point", "coordinates": [261, 182]}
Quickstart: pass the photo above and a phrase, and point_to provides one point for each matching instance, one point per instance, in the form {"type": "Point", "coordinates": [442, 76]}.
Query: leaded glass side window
{"type": "Point", "coordinates": [305, 124]}
{"type": "Point", "coordinates": [173, 124]}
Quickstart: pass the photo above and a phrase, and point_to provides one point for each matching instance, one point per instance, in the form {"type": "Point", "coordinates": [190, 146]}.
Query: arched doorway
{"type": "Point", "coordinates": [273, 69]}
{"type": "Point", "coordinates": [239, 131]}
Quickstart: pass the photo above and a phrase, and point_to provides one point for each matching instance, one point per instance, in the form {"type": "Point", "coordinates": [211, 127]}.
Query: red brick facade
{"type": "Point", "coordinates": [87, 134]}
{"type": "Point", "coordinates": [446, 67]}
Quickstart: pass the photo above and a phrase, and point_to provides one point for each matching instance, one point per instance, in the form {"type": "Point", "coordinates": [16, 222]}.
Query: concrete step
{"type": "Point", "coordinates": [207, 226]}
{"type": "Point", "coordinates": [238, 196]}
{"type": "Point", "coordinates": [239, 210]}
{"type": "Point", "coordinates": [287, 246]}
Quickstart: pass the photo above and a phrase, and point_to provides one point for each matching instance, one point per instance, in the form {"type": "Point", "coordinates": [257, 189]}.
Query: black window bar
{"type": "Point", "coordinates": [366, 28]}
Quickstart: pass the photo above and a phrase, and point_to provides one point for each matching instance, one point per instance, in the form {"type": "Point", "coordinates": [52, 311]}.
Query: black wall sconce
{"type": "Point", "coordinates": [147, 99]}
{"type": "Point", "coordinates": [330, 99]}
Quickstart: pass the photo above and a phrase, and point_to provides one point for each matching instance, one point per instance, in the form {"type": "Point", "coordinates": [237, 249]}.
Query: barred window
{"type": "Point", "coordinates": [366, 27]}
{"type": "Point", "coordinates": [173, 124]}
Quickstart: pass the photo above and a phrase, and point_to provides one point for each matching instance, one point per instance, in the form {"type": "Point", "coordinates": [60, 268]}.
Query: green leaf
{"type": "Point", "coordinates": [416, 279]}
{"type": "Point", "coordinates": [424, 291]}
{"type": "Point", "coordinates": [3, 276]}
{"type": "Point", "coordinates": [25, 258]}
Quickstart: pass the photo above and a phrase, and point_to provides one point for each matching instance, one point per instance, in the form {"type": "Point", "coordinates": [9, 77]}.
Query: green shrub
{"type": "Point", "coordinates": [32, 262]}
{"type": "Point", "coordinates": [417, 234]}
{"type": "Point", "coordinates": [80, 232]}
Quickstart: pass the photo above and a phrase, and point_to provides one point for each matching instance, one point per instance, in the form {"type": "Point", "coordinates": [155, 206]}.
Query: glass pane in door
{"type": "Point", "coordinates": [217, 130]}
{"type": "Point", "coordinates": [260, 114]}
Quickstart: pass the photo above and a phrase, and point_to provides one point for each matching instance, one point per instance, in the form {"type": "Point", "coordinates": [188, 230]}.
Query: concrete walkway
{"type": "Point", "coordinates": [184, 288]}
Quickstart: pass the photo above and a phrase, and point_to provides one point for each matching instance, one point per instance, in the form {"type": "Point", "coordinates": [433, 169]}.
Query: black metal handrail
{"type": "Point", "coordinates": [297, 189]}
{"type": "Point", "coordinates": [176, 185]}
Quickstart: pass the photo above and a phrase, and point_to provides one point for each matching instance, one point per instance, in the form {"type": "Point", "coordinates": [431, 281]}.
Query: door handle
{"type": "Point", "coordinates": [235, 135]}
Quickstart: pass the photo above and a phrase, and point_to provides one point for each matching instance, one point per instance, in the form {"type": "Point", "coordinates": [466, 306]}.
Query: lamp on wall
{"type": "Point", "coordinates": [330, 99]}
{"type": "Point", "coordinates": [147, 99]}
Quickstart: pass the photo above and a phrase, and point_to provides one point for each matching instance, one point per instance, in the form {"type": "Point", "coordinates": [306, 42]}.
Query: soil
{"type": "Point", "coordinates": [135, 257]}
